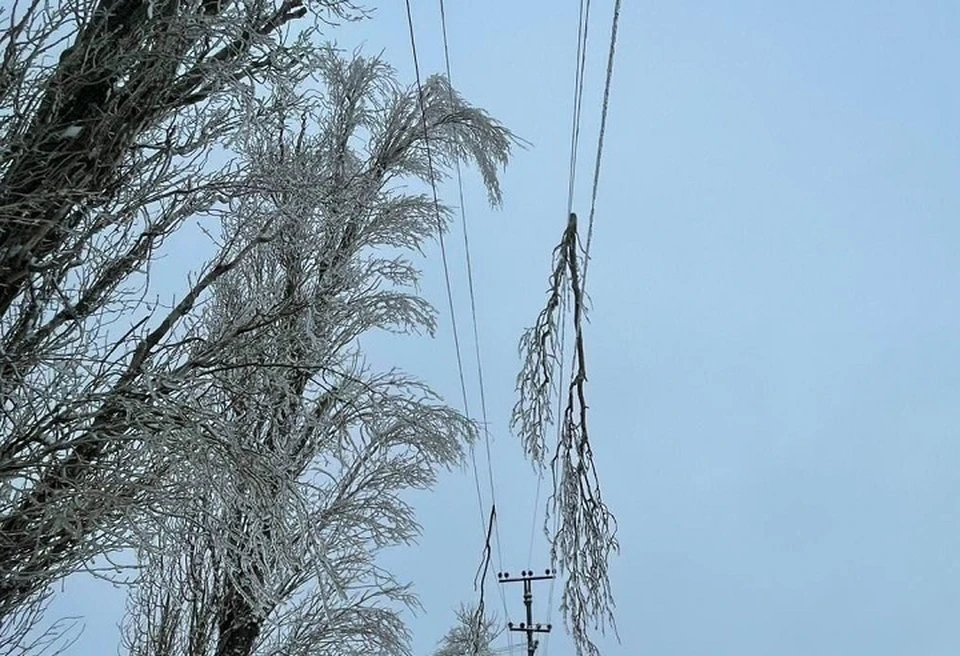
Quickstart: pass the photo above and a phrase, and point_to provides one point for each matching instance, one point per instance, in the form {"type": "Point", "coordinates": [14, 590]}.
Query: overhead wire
{"type": "Point", "coordinates": [582, 38]}
{"type": "Point", "coordinates": [608, 83]}
{"type": "Point", "coordinates": [473, 314]}
{"type": "Point", "coordinates": [443, 248]}
{"type": "Point", "coordinates": [533, 524]}
{"type": "Point", "coordinates": [580, 69]}
{"type": "Point", "coordinates": [470, 285]}
{"type": "Point", "coordinates": [583, 27]}
{"type": "Point", "coordinates": [449, 293]}
{"type": "Point", "coordinates": [578, 94]}
{"type": "Point", "coordinates": [571, 184]}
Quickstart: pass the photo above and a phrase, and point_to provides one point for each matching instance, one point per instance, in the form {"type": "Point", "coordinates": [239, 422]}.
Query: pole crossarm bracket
{"type": "Point", "coordinates": [527, 577]}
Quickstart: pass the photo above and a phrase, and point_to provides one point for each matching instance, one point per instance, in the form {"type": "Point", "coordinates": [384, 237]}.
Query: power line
{"type": "Point", "coordinates": [449, 289]}
{"type": "Point", "coordinates": [473, 313]}
{"type": "Point", "coordinates": [469, 263]}
{"type": "Point", "coordinates": [578, 86]}
{"type": "Point", "coordinates": [533, 525]}
{"type": "Point", "coordinates": [583, 27]}
{"type": "Point", "coordinates": [582, 38]}
{"type": "Point", "coordinates": [443, 247]}
{"type": "Point", "coordinates": [579, 70]}
{"type": "Point", "coordinates": [574, 142]}
{"type": "Point", "coordinates": [611, 54]}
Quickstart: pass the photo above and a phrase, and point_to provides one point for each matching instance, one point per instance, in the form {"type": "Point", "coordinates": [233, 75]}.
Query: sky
{"type": "Point", "coordinates": [773, 357]}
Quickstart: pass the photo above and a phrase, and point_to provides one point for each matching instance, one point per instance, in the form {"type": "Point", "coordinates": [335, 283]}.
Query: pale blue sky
{"type": "Point", "coordinates": [774, 355]}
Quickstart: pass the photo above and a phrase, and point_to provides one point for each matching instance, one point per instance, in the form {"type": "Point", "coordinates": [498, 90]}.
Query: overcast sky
{"type": "Point", "coordinates": [773, 353]}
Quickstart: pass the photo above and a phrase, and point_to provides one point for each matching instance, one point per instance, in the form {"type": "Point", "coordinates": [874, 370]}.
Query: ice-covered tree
{"type": "Point", "coordinates": [295, 482]}
{"type": "Point", "coordinates": [472, 635]}
{"type": "Point", "coordinates": [126, 421]}
{"type": "Point", "coordinates": [118, 122]}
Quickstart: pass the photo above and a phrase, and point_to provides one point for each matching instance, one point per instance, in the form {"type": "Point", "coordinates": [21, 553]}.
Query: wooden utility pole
{"type": "Point", "coordinates": [528, 627]}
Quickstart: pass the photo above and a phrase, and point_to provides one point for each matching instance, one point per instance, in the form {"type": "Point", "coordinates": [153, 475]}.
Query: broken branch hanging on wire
{"type": "Point", "coordinates": [584, 533]}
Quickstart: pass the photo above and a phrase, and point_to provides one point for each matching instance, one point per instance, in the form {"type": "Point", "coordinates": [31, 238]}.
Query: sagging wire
{"type": "Point", "coordinates": [491, 528]}
{"type": "Point", "coordinates": [476, 337]}
{"type": "Point", "coordinates": [443, 249]}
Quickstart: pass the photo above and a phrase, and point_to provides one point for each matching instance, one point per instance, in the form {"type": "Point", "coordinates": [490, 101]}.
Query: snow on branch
{"type": "Point", "coordinates": [472, 634]}
{"type": "Point", "coordinates": [584, 534]}
{"type": "Point", "coordinates": [294, 481]}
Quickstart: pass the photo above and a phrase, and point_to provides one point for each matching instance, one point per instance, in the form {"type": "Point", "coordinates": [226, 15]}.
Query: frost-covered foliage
{"type": "Point", "coordinates": [472, 635]}
{"type": "Point", "coordinates": [110, 111]}
{"type": "Point", "coordinates": [293, 482]}
{"type": "Point", "coordinates": [583, 535]}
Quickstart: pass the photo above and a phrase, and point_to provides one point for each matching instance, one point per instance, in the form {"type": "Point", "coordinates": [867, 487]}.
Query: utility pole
{"type": "Point", "coordinates": [528, 627]}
